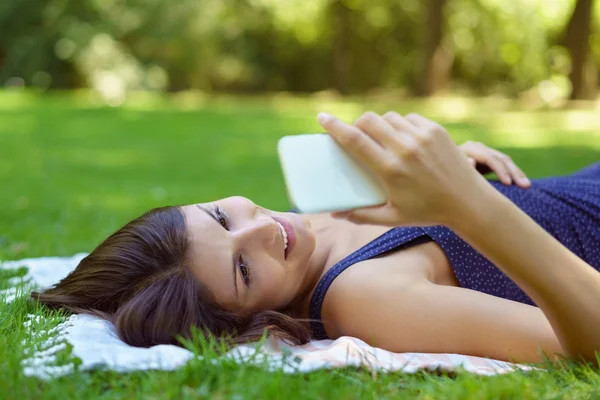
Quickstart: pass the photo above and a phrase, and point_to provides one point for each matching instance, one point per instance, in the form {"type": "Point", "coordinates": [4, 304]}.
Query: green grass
{"type": "Point", "coordinates": [72, 172]}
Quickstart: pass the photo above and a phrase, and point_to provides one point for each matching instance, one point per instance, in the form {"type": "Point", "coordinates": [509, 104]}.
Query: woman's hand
{"type": "Point", "coordinates": [427, 177]}
{"type": "Point", "coordinates": [486, 160]}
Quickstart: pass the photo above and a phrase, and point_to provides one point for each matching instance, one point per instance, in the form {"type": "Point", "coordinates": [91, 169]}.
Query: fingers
{"type": "Point", "coordinates": [379, 215]}
{"type": "Point", "coordinates": [353, 140]}
{"type": "Point", "coordinates": [373, 135]}
{"type": "Point", "coordinates": [423, 130]}
{"type": "Point", "coordinates": [377, 127]}
{"type": "Point", "coordinates": [398, 122]}
{"type": "Point", "coordinates": [420, 121]}
{"type": "Point", "coordinates": [497, 162]}
{"type": "Point", "coordinates": [408, 135]}
{"type": "Point", "coordinates": [517, 175]}
{"type": "Point", "coordinates": [373, 140]}
{"type": "Point", "coordinates": [494, 162]}
{"type": "Point", "coordinates": [394, 132]}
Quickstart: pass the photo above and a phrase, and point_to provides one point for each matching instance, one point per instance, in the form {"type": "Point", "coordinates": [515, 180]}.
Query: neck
{"type": "Point", "coordinates": [323, 227]}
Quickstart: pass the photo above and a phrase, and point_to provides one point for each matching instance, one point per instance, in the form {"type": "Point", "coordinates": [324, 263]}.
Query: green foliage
{"type": "Point", "coordinates": [275, 45]}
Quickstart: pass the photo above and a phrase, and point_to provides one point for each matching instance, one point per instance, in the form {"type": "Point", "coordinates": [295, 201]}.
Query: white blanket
{"type": "Point", "coordinates": [95, 343]}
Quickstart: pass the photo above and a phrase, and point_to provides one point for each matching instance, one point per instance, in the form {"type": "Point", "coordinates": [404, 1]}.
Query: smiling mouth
{"type": "Point", "coordinates": [288, 235]}
{"type": "Point", "coordinates": [284, 234]}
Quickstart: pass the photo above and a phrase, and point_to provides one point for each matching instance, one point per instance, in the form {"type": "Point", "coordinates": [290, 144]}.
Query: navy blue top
{"type": "Point", "coordinates": [567, 207]}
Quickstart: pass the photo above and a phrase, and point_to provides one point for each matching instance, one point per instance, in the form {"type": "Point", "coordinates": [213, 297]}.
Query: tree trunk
{"type": "Point", "coordinates": [583, 73]}
{"type": "Point", "coordinates": [341, 61]}
{"type": "Point", "coordinates": [437, 57]}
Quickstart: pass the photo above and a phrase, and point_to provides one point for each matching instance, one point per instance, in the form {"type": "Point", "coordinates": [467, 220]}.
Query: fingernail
{"type": "Point", "coordinates": [323, 118]}
{"type": "Point", "coordinates": [524, 181]}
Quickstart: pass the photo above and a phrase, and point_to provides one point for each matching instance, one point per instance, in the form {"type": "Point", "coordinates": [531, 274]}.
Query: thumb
{"type": "Point", "coordinates": [380, 215]}
{"type": "Point", "coordinates": [472, 161]}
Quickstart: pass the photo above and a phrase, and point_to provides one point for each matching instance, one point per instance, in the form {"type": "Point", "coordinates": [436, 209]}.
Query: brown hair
{"type": "Point", "coordinates": [138, 278]}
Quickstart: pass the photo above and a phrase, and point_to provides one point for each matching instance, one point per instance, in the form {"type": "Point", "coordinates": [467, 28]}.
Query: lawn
{"type": "Point", "coordinates": [72, 171]}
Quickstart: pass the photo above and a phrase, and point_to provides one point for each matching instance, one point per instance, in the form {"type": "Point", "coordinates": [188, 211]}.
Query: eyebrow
{"type": "Point", "coordinates": [234, 262]}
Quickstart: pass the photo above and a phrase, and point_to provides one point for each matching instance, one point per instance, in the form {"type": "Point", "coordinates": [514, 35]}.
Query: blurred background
{"type": "Point", "coordinates": [111, 107]}
{"type": "Point", "coordinates": [545, 50]}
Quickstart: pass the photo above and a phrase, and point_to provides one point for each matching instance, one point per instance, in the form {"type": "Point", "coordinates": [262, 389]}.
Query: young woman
{"type": "Point", "coordinates": [470, 266]}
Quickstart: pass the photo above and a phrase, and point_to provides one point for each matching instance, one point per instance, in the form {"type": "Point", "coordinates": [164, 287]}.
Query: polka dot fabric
{"type": "Point", "coordinates": [567, 207]}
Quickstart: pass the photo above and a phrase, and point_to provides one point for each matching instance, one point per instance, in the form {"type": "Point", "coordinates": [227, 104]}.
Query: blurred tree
{"type": "Point", "coordinates": [437, 56]}
{"type": "Point", "coordinates": [351, 46]}
{"type": "Point", "coordinates": [500, 47]}
{"type": "Point", "coordinates": [341, 57]}
{"type": "Point", "coordinates": [29, 33]}
{"type": "Point", "coordinates": [584, 73]}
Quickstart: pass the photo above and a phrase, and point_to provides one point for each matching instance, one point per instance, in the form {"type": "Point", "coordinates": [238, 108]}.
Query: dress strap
{"type": "Point", "coordinates": [393, 239]}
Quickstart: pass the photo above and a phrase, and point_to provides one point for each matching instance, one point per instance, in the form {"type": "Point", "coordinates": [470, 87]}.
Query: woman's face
{"type": "Point", "coordinates": [238, 250]}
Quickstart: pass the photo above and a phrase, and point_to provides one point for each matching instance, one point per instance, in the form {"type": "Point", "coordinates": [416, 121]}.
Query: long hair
{"type": "Point", "coordinates": [140, 280]}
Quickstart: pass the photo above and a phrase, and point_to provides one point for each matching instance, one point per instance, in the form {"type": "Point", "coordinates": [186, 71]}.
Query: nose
{"type": "Point", "coordinates": [260, 231]}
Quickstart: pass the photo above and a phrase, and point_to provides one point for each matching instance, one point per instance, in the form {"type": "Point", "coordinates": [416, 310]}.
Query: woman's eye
{"type": "Point", "coordinates": [245, 272]}
{"type": "Point", "coordinates": [221, 217]}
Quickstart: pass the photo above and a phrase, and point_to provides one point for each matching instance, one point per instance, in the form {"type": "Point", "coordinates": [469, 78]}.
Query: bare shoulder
{"type": "Point", "coordinates": [406, 312]}
{"type": "Point", "coordinates": [380, 282]}
{"type": "Point", "coordinates": [372, 285]}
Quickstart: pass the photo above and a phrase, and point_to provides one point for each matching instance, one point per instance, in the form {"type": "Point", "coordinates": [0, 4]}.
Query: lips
{"type": "Point", "coordinates": [290, 235]}
{"type": "Point", "coordinates": [284, 234]}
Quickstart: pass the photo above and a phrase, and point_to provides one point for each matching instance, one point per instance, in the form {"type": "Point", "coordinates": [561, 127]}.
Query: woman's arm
{"type": "Point", "coordinates": [415, 315]}
{"type": "Point", "coordinates": [564, 286]}
{"type": "Point", "coordinates": [429, 182]}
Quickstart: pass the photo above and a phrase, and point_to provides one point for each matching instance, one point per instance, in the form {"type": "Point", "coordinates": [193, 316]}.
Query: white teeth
{"type": "Point", "coordinates": [284, 233]}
